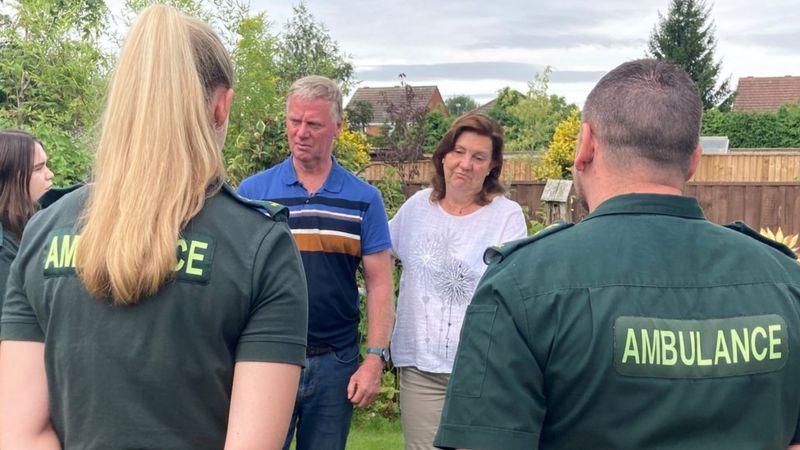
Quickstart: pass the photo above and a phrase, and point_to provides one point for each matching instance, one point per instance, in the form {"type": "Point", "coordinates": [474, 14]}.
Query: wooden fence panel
{"type": "Point", "coordinates": [760, 205]}
{"type": "Point", "coordinates": [751, 167]}
{"type": "Point", "coordinates": [774, 167]}
{"type": "Point", "coordinates": [757, 204]}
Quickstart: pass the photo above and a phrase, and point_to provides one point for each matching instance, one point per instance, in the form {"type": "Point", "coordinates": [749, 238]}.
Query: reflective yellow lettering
{"type": "Point", "coordinates": [650, 350]}
{"type": "Point", "coordinates": [183, 247]}
{"type": "Point", "coordinates": [52, 255]}
{"type": "Point", "coordinates": [758, 356]}
{"type": "Point", "coordinates": [669, 356]}
{"type": "Point", "coordinates": [194, 255]}
{"type": "Point", "coordinates": [631, 349]}
{"type": "Point", "coordinates": [684, 359]}
{"type": "Point", "coordinates": [721, 350]}
{"type": "Point", "coordinates": [773, 342]}
{"type": "Point", "coordinates": [700, 360]}
{"type": "Point", "coordinates": [68, 245]}
{"type": "Point", "coordinates": [741, 346]}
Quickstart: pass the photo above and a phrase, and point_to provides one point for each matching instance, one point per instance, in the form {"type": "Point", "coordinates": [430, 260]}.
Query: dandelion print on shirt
{"type": "Point", "coordinates": [447, 285]}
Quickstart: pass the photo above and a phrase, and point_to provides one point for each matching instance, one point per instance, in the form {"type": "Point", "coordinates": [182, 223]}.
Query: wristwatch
{"type": "Point", "coordinates": [382, 352]}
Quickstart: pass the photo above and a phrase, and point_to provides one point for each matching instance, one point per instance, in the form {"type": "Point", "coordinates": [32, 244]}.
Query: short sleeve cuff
{"type": "Point", "coordinates": [458, 436]}
{"type": "Point", "coordinates": [376, 248]}
{"type": "Point", "coordinates": [272, 351]}
{"type": "Point", "coordinates": [21, 331]}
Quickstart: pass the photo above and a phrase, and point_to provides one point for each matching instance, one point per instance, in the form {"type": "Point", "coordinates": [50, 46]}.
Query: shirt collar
{"type": "Point", "coordinates": [668, 205]}
{"type": "Point", "coordinates": [333, 183]}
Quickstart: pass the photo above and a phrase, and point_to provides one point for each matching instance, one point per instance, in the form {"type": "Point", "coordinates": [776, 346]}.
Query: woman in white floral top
{"type": "Point", "coordinates": [439, 235]}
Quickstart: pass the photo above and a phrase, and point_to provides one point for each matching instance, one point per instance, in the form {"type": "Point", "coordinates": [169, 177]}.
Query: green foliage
{"type": "Point", "coordinates": [536, 116]}
{"type": "Point", "coordinates": [52, 74]}
{"type": "Point", "coordinates": [360, 115]}
{"type": "Point", "coordinates": [67, 156]}
{"type": "Point", "coordinates": [507, 99]}
{"type": "Point", "coordinates": [306, 48]}
{"type": "Point", "coordinates": [436, 125]}
{"type": "Point", "coordinates": [351, 149]}
{"type": "Point", "coordinates": [778, 129]}
{"type": "Point", "coordinates": [460, 104]}
{"type": "Point", "coordinates": [391, 190]}
{"type": "Point", "coordinates": [256, 130]}
{"type": "Point", "coordinates": [686, 37]}
{"type": "Point", "coordinates": [557, 162]}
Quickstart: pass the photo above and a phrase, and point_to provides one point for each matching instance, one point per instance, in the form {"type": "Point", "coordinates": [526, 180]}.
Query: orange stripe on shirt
{"type": "Point", "coordinates": [328, 244]}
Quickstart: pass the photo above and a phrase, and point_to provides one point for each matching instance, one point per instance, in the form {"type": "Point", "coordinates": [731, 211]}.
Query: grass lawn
{"type": "Point", "coordinates": [375, 433]}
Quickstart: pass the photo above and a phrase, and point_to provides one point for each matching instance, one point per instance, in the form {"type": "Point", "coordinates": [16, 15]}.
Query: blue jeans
{"type": "Point", "coordinates": [322, 411]}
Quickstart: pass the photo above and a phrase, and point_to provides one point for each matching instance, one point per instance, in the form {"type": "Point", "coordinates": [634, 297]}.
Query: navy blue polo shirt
{"type": "Point", "coordinates": [333, 228]}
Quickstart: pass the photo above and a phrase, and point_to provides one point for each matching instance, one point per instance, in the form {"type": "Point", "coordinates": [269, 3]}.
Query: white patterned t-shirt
{"type": "Point", "coordinates": [442, 259]}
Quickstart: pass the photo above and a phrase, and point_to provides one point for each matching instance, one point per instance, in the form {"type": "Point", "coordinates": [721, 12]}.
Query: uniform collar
{"type": "Point", "coordinates": [668, 205]}
{"type": "Point", "coordinates": [333, 183]}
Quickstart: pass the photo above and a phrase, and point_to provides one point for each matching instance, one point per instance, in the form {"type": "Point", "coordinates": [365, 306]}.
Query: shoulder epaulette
{"type": "Point", "coordinates": [500, 251]}
{"type": "Point", "coordinates": [273, 210]}
{"type": "Point", "coordinates": [742, 227]}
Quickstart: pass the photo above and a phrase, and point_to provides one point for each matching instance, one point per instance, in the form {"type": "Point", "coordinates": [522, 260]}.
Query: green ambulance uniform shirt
{"type": "Point", "coordinates": [643, 327]}
{"type": "Point", "coordinates": [159, 374]}
{"type": "Point", "coordinates": [8, 250]}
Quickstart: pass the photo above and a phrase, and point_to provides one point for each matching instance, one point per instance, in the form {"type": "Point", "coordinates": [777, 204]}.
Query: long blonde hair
{"type": "Point", "coordinates": [158, 156]}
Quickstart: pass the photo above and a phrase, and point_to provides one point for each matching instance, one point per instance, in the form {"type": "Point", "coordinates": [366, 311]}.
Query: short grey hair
{"type": "Point", "coordinates": [315, 87]}
{"type": "Point", "coordinates": [646, 110]}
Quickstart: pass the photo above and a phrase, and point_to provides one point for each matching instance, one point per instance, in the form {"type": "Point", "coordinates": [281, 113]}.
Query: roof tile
{"type": "Point", "coordinates": [762, 94]}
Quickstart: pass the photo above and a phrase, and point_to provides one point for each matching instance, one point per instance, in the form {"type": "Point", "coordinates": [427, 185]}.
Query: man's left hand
{"type": "Point", "coordinates": [365, 384]}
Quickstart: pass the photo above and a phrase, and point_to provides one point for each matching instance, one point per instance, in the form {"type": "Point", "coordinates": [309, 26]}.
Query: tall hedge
{"type": "Point", "coordinates": [778, 129]}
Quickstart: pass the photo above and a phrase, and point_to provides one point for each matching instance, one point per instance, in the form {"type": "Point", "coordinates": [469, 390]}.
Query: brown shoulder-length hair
{"type": "Point", "coordinates": [16, 167]}
{"type": "Point", "coordinates": [484, 126]}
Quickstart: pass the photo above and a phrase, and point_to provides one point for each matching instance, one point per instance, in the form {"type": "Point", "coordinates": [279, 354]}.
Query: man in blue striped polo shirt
{"type": "Point", "coordinates": [338, 221]}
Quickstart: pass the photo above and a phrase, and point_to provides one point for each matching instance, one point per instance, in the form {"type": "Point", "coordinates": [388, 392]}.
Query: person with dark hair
{"type": "Point", "coordinates": [24, 178]}
{"type": "Point", "coordinates": [645, 326]}
{"type": "Point", "coordinates": [439, 235]}
{"type": "Point", "coordinates": [339, 223]}
{"type": "Point", "coordinates": [154, 307]}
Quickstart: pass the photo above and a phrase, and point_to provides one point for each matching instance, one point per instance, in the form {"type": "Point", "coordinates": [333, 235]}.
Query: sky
{"type": "Point", "coordinates": [477, 47]}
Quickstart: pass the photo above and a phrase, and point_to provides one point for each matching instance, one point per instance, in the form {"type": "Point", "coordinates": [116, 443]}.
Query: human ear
{"type": "Point", "coordinates": [222, 101]}
{"type": "Point", "coordinates": [586, 147]}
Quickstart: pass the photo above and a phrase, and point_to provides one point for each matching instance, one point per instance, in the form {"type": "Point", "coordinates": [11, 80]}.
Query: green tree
{"type": "Point", "coordinates": [360, 115]}
{"type": "Point", "coordinates": [306, 48]}
{"type": "Point", "coordinates": [52, 74]}
{"type": "Point", "coordinates": [686, 37]}
{"type": "Point", "coordinates": [256, 132]}
{"type": "Point", "coordinates": [460, 104]}
{"type": "Point", "coordinates": [506, 99]}
{"type": "Point", "coordinates": [436, 125]}
{"type": "Point", "coordinates": [537, 115]}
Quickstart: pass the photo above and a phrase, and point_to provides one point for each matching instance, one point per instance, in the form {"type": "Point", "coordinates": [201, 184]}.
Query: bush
{"type": "Point", "coordinates": [777, 129]}
{"type": "Point", "coordinates": [557, 162]}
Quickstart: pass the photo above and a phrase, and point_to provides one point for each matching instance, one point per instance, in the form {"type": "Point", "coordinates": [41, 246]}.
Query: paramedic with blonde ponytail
{"type": "Point", "coordinates": [154, 308]}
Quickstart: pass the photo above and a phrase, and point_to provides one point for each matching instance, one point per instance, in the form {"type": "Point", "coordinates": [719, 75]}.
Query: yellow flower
{"type": "Point", "coordinates": [789, 240]}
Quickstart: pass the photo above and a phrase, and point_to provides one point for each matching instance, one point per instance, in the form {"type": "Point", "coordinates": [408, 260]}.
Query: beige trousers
{"type": "Point", "coordinates": [421, 402]}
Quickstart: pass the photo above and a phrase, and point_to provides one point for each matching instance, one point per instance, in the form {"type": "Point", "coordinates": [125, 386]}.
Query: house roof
{"type": "Point", "coordinates": [381, 97]}
{"type": "Point", "coordinates": [488, 106]}
{"type": "Point", "coordinates": [762, 94]}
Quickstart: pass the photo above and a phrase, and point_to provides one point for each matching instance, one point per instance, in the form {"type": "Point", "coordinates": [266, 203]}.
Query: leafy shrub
{"type": "Point", "coordinates": [557, 162]}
